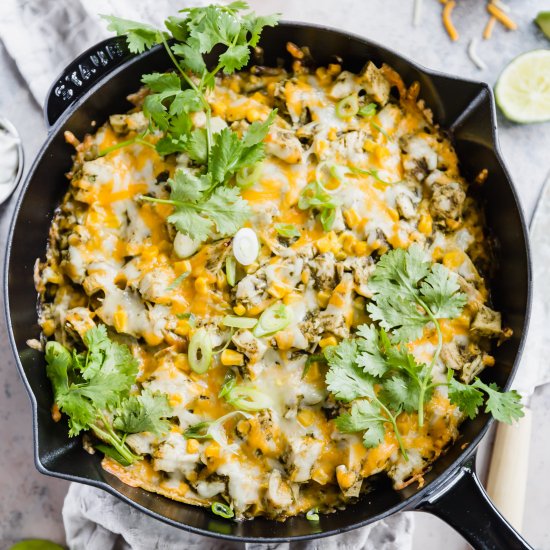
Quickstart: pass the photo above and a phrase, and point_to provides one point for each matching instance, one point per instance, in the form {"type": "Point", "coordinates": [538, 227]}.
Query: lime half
{"type": "Point", "coordinates": [543, 21]}
{"type": "Point", "coordinates": [523, 89]}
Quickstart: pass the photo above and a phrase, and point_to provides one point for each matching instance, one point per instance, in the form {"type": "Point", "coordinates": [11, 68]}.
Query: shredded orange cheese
{"type": "Point", "coordinates": [502, 17]}
{"type": "Point", "coordinates": [447, 21]}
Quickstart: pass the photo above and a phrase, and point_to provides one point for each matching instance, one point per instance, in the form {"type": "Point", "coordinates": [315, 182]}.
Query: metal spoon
{"type": "Point", "coordinates": [11, 159]}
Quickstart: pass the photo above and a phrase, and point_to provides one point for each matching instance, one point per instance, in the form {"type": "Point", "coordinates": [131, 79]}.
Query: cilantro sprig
{"type": "Point", "coordinates": [205, 203]}
{"type": "Point", "coordinates": [409, 293]}
{"type": "Point", "coordinates": [375, 370]}
{"type": "Point", "coordinates": [93, 389]}
{"type": "Point", "coordinates": [348, 382]}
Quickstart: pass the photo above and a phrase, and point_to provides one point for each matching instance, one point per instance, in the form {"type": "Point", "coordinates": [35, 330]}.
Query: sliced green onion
{"type": "Point", "coordinates": [246, 246]}
{"type": "Point", "coordinates": [373, 173]}
{"type": "Point", "coordinates": [200, 351]}
{"type": "Point", "coordinates": [229, 382]}
{"type": "Point", "coordinates": [288, 230]}
{"type": "Point", "coordinates": [239, 322]}
{"type": "Point", "coordinates": [185, 246]}
{"type": "Point", "coordinates": [313, 514]}
{"type": "Point", "coordinates": [247, 177]}
{"type": "Point", "coordinates": [272, 320]}
{"type": "Point", "coordinates": [177, 281]}
{"type": "Point", "coordinates": [231, 270]}
{"type": "Point", "coordinates": [347, 107]}
{"type": "Point", "coordinates": [327, 217]}
{"type": "Point", "coordinates": [205, 430]}
{"type": "Point", "coordinates": [198, 431]}
{"type": "Point", "coordinates": [222, 510]}
{"type": "Point", "coordinates": [335, 171]}
{"type": "Point", "coordinates": [247, 398]}
{"type": "Point", "coordinates": [367, 110]}
{"type": "Point", "coordinates": [381, 130]}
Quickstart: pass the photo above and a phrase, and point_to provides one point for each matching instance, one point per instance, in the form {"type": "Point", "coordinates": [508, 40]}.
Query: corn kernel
{"type": "Point", "coordinates": [361, 248]}
{"type": "Point", "coordinates": [153, 339]}
{"type": "Point", "coordinates": [174, 400]}
{"type": "Point", "coordinates": [381, 152]}
{"type": "Point", "coordinates": [192, 446]}
{"type": "Point", "coordinates": [341, 255]}
{"type": "Point", "coordinates": [345, 478]}
{"type": "Point", "coordinates": [119, 320]}
{"type": "Point", "coordinates": [327, 243]}
{"type": "Point", "coordinates": [332, 134]}
{"type": "Point", "coordinates": [213, 450]}
{"type": "Point", "coordinates": [305, 276]}
{"type": "Point", "coordinates": [284, 339]}
{"type": "Point", "coordinates": [48, 327]}
{"type": "Point", "coordinates": [306, 417]}
{"type": "Point", "coordinates": [394, 214]}
{"type": "Point", "coordinates": [182, 327]}
{"type": "Point", "coordinates": [320, 476]}
{"type": "Point", "coordinates": [243, 427]}
{"type": "Point", "coordinates": [278, 290]}
{"type": "Point", "coordinates": [488, 360]}
{"type": "Point", "coordinates": [322, 298]}
{"type": "Point", "coordinates": [201, 285]}
{"type": "Point", "coordinates": [453, 259]}
{"type": "Point", "coordinates": [253, 114]}
{"type": "Point", "coordinates": [239, 309]}
{"type": "Point", "coordinates": [351, 218]}
{"type": "Point", "coordinates": [230, 357]}
{"type": "Point", "coordinates": [347, 241]}
{"type": "Point", "coordinates": [425, 224]}
{"type": "Point", "coordinates": [369, 146]}
{"type": "Point", "coordinates": [437, 253]}
{"type": "Point", "coordinates": [329, 341]}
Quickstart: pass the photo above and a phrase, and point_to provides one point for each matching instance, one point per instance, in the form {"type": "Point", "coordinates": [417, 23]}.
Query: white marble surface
{"type": "Point", "coordinates": [30, 504]}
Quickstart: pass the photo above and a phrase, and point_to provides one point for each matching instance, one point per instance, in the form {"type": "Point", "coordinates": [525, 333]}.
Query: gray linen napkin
{"type": "Point", "coordinates": [95, 520]}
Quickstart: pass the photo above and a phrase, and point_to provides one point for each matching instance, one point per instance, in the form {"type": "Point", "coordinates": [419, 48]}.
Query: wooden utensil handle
{"type": "Point", "coordinates": [507, 482]}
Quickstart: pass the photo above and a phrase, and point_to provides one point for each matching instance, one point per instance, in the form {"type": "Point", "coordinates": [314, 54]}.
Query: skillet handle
{"type": "Point", "coordinates": [465, 506]}
{"type": "Point", "coordinates": [81, 74]}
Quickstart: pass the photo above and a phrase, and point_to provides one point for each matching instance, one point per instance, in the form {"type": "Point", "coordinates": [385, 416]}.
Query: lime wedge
{"type": "Point", "coordinates": [523, 89]}
{"type": "Point", "coordinates": [543, 21]}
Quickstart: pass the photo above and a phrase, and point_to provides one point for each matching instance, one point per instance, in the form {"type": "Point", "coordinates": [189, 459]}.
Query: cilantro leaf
{"type": "Point", "coordinates": [344, 379]}
{"type": "Point", "coordinates": [409, 292]}
{"type": "Point", "coordinates": [440, 291]}
{"type": "Point", "coordinates": [315, 197]}
{"type": "Point", "coordinates": [364, 415]}
{"type": "Point", "coordinates": [140, 36]}
{"type": "Point", "coordinates": [398, 315]}
{"type": "Point", "coordinates": [467, 397]}
{"type": "Point", "coordinates": [191, 58]}
{"type": "Point", "coordinates": [371, 359]}
{"type": "Point", "coordinates": [348, 382]}
{"type": "Point", "coordinates": [189, 221]}
{"type": "Point", "coordinates": [143, 413]}
{"type": "Point", "coordinates": [399, 391]}
{"type": "Point", "coordinates": [201, 211]}
{"type": "Point", "coordinates": [91, 386]}
{"type": "Point", "coordinates": [197, 146]}
{"type": "Point", "coordinates": [235, 58]}
{"type": "Point", "coordinates": [504, 406]}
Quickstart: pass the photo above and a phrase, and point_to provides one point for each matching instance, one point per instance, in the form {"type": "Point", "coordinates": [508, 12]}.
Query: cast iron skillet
{"type": "Point", "coordinates": [95, 86]}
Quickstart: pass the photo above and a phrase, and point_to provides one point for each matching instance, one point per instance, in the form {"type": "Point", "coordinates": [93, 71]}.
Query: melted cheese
{"type": "Point", "coordinates": [119, 267]}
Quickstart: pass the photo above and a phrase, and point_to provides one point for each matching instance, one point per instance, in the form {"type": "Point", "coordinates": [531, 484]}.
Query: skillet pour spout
{"type": "Point", "coordinates": [93, 87]}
